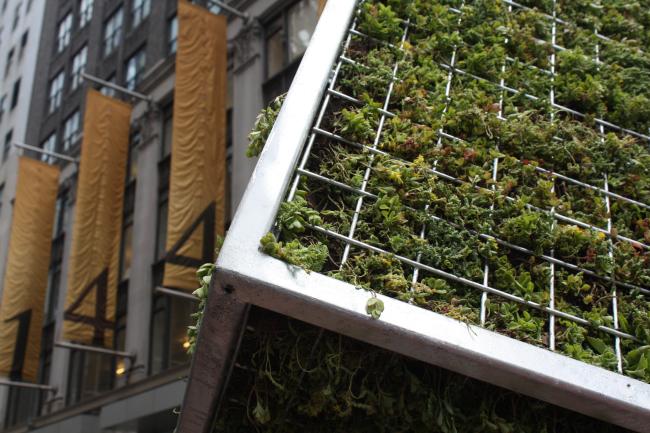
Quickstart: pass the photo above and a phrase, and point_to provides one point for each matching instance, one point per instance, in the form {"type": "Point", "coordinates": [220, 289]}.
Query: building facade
{"type": "Point", "coordinates": [132, 43]}
{"type": "Point", "coordinates": [20, 30]}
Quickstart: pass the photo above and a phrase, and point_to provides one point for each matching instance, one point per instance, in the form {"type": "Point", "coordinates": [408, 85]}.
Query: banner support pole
{"type": "Point", "coordinates": [232, 10]}
{"type": "Point", "coordinates": [45, 152]}
{"type": "Point", "coordinates": [15, 384]}
{"type": "Point", "coordinates": [83, 347]}
{"type": "Point", "coordinates": [116, 87]}
{"type": "Point", "coordinates": [177, 293]}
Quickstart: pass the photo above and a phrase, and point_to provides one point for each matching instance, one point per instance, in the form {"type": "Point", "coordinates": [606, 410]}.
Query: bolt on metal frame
{"type": "Point", "coordinates": [251, 276]}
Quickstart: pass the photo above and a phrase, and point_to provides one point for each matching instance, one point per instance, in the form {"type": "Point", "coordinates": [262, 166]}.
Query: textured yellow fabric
{"type": "Point", "coordinates": [198, 164]}
{"type": "Point", "coordinates": [94, 259]}
{"type": "Point", "coordinates": [28, 261]}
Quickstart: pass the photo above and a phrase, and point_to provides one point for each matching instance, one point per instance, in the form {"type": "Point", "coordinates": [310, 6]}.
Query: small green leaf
{"type": "Point", "coordinates": [374, 307]}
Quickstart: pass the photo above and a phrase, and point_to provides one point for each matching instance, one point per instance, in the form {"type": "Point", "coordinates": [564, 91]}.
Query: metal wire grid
{"type": "Point", "coordinates": [559, 20]}
{"type": "Point", "coordinates": [373, 150]}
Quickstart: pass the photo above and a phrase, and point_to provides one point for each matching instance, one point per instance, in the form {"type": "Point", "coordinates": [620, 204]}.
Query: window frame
{"type": "Point", "coordinates": [79, 62]}
{"type": "Point", "coordinates": [140, 11]}
{"type": "Point", "coordinates": [113, 29]}
{"type": "Point", "coordinates": [55, 94]}
{"type": "Point", "coordinates": [64, 33]}
{"type": "Point", "coordinates": [139, 59]}
{"type": "Point", "coordinates": [15, 94]}
{"type": "Point", "coordinates": [70, 137]}
{"type": "Point", "coordinates": [172, 35]}
{"type": "Point", "coordinates": [281, 79]}
{"type": "Point", "coordinates": [86, 9]}
{"type": "Point", "coordinates": [8, 139]}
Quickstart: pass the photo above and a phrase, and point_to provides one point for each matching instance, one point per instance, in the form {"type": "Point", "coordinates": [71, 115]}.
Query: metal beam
{"type": "Point", "coordinates": [83, 347]}
{"type": "Point", "coordinates": [220, 336]}
{"type": "Point", "coordinates": [116, 87]}
{"type": "Point", "coordinates": [232, 10]}
{"type": "Point", "coordinates": [176, 293]}
{"type": "Point", "coordinates": [38, 386]}
{"type": "Point", "coordinates": [45, 152]}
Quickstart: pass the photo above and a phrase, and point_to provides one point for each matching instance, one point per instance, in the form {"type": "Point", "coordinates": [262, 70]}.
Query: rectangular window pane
{"type": "Point", "coordinates": [113, 32]}
{"type": "Point", "coordinates": [127, 252]}
{"type": "Point", "coordinates": [181, 318]}
{"type": "Point", "coordinates": [139, 11]}
{"type": "Point", "coordinates": [56, 90]}
{"type": "Point", "coordinates": [161, 237]}
{"type": "Point", "coordinates": [49, 145]}
{"type": "Point", "coordinates": [135, 68]}
{"type": "Point", "coordinates": [71, 130]}
{"type": "Point", "coordinates": [7, 148]}
{"type": "Point", "coordinates": [15, 94]}
{"type": "Point", "coordinates": [159, 341]}
{"type": "Point", "coordinates": [302, 18]}
{"type": "Point", "coordinates": [64, 33]}
{"type": "Point", "coordinates": [85, 12]}
{"type": "Point", "coordinates": [274, 53]}
{"type": "Point", "coordinates": [173, 35]}
{"type": "Point", "coordinates": [78, 67]}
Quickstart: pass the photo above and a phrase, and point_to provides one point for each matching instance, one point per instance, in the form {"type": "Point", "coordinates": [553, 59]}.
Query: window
{"type": "Point", "coordinates": [10, 59]}
{"type": "Point", "coordinates": [135, 67]}
{"type": "Point", "coordinates": [169, 322]}
{"type": "Point", "coordinates": [29, 6]}
{"type": "Point", "coordinates": [4, 5]}
{"type": "Point", "coordinates": [172, 42]}
{"type": "Point", "coordinates": [15, 94]}
{"type": "Point", "coordinates": [49, 145]}
{"type": "Point", "coordinates": [56, 91]}
{"type": "Point", "coordinates": [3, 108]}
{"type": "Point", "coordinates": [126, 253]}
{"type": "Point", "coordinates": [71, 130]}
{"type": "Point", "coordinates": [89, 375]}
{"type": "Point", "coordinates": [14, 25]}
{"type": "Point", "coordinates": [109, 91]}
{"type": "Point", "coordinates": [22, 404]}
{"type": "Point", "coordinates": [56, 257]}
{"type": "Point", "coordinates": [113, 32]}
{"type": "Point", "coordinates": [139, 11]}
{"type": "Point", "coordinates": [286, 39]}
{"type": "Point", "coordinates": [23, 44]}
{"type": "Point", "coordinates": [65, 31]}
{"type": "Point", "coordinates": [85, 12]}
{"type": "Point", "coordinates": [78, 66]}
{"type": "Point", "coordinates": [7, 147]}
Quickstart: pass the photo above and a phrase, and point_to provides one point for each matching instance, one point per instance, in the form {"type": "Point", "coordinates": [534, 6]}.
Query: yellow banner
{"type": "Point", "coordinates": [28, 261]}
{"type": "Point", "coordinates": [94, 260]}
{"type": "Point", "coordinates": [321, 6]}
{"type": "Point", "coordinates": [198, 165]}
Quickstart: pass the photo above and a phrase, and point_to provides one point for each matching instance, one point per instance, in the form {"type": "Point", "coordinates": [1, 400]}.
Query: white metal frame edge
{"type": "Point", "coordinates": [267, 282]}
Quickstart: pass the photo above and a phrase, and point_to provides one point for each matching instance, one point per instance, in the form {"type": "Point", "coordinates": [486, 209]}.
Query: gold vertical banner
{"type": "Point", "coordinates": [28, 261]}
{"type": "Point", "coordinates": [198, 162]}
{"type": "Point", "coordinates": [321, 6]}
{"type": "Point", "coordinates": [94, 260]}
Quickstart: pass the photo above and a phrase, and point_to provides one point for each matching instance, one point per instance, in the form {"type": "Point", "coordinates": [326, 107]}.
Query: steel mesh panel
{"type": "Point", "coordinates": [447, 169]}
{"type": "Point", "coordinates": [520, 287]}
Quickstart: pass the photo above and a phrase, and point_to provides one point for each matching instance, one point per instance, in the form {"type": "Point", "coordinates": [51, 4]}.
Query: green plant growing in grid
{"type": "Point", "coordinates": [492, 148]}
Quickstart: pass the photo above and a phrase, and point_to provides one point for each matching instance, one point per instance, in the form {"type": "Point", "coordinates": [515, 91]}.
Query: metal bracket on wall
{"type": "Point", "coordinates": [118, 88]}
{"type": "Point", "coordinates": [15, 384]}
{"type": "Point", "coordinates": [230, 9]}
{"type": "Point", "coordinates": [83, 347]}
{"type": "Point", "coordinates": [46, 152]}
{"type": "Point", "coordinates": [176, 293]}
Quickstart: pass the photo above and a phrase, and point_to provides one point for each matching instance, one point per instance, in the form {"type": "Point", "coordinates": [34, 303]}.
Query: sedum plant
{"type": "Point", "coordinates": [488, 166]}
